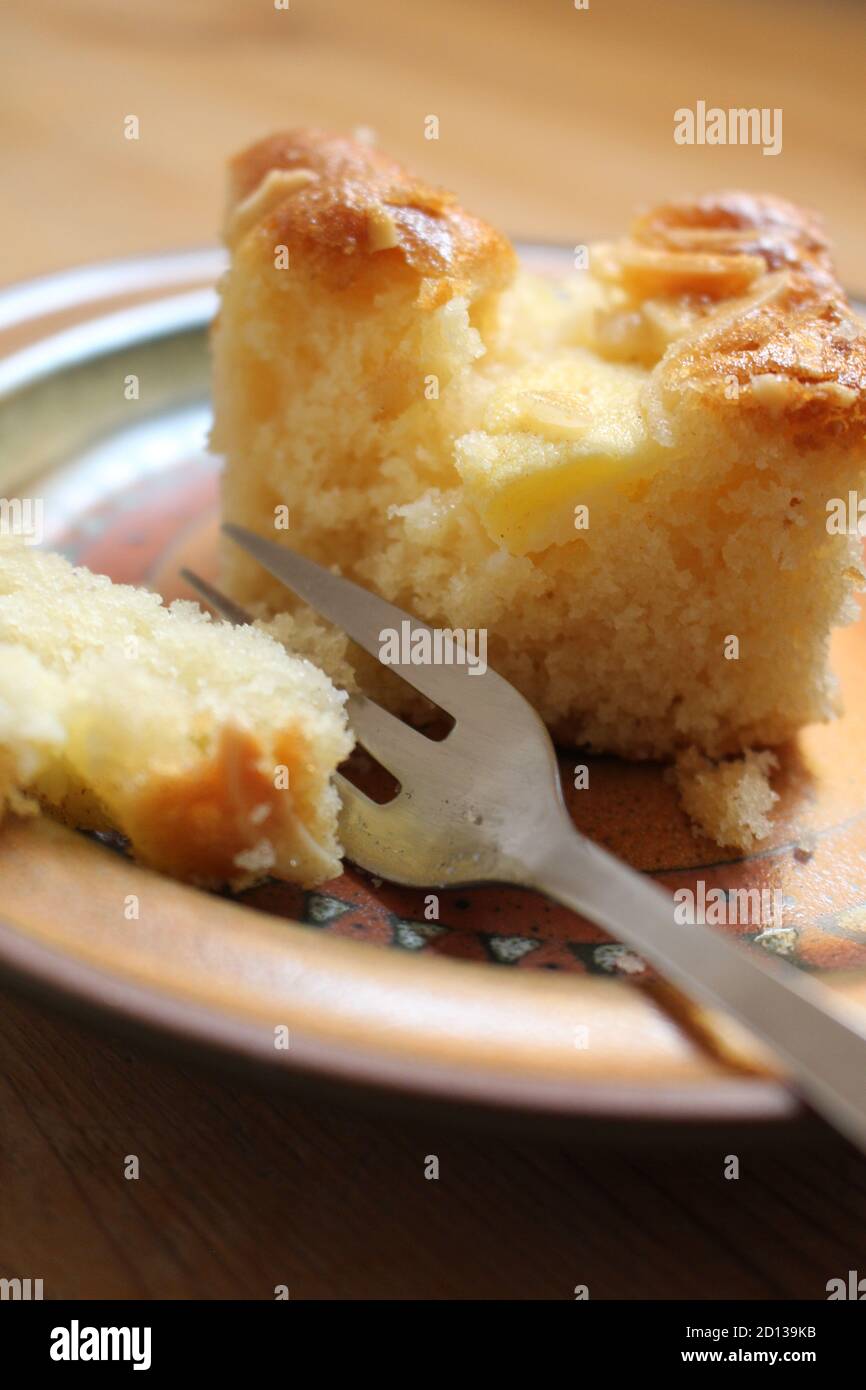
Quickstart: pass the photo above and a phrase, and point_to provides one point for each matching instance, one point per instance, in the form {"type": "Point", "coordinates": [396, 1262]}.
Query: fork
{"type": "Point", "coordinates": [485, 805]}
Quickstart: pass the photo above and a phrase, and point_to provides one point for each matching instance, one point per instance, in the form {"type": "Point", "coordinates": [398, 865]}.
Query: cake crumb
{"type": "Point", "coordinates": [258, 859]}
{"type": "Point", "coordinates": [728, 801]}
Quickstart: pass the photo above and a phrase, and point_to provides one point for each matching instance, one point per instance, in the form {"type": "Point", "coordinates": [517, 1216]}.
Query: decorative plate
{"type": "Point", "coordinates": [503, 1000]}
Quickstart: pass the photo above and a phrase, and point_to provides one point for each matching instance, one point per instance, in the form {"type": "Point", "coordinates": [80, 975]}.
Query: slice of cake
{"type": "Point", "coordinates": [207, 745]}
{"type": "Point", "coordinates": [623, 475]}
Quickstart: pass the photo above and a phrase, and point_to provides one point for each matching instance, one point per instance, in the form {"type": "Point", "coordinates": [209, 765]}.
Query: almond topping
{"type": "Point", "coordinates": [274, 187]}
{"type": "Point", "coordinates": [556, 415]}
{"type": "Point", "coordinates": [648, 272]}
{"type": "Point", "coordinates": [381, 230]}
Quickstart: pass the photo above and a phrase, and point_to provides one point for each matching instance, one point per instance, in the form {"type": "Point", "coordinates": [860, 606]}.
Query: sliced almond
{"type": "Point", "coordinates": [381, 230]}
{"type": "Point", "coordinates": [274, 187]}
{"type": "Point", "coordinates": [555, 415]}
{"type": "Point", "coordinates": [771, 389]}
{"type": "Point", "coordinates": [648, 273]}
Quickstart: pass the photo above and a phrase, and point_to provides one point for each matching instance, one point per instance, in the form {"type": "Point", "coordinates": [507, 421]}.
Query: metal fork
{"type": "Point", "coordinates": [485, 805]}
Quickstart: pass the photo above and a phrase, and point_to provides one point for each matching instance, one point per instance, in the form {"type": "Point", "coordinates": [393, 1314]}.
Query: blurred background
{"type": "Point", "coordinates": [553, 122]}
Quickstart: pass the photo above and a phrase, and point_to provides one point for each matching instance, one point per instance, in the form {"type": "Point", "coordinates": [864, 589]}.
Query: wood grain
{"type": "Point", "coordinates": [242, 1190]}
{"type": "Point", "coordinates": [554, 123]}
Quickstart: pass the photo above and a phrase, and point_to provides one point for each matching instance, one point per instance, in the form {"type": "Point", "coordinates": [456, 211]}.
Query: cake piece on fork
{"type": "Point", "coordinates": [208, 746]}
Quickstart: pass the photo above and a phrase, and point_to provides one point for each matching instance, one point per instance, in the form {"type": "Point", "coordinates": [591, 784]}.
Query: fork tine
{"type": "Point", "coordinates": [365, 825]}
{"type": "Point", "coordinates": [395, 745]}
{"type": "Point", "coordinates": [218, 600]}
{"type": "Point", "coordinates": [382, 734]}
{"type": "Point", "coordinates": [364, 617]}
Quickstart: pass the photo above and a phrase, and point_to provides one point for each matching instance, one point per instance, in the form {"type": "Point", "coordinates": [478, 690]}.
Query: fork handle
{"type": "Point", "coordinates": [794, 1014]}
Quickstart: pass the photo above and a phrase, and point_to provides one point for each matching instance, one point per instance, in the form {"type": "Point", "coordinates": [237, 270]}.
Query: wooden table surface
{"type": "Point", "coordinates": [241, 1190]}
{"type": "Point", "coordinates": [553, 122]}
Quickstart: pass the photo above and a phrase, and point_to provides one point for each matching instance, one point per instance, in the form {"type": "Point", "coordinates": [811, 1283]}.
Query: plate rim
{"type": "Point", "coordinates": [80, 974]}
{"type": "Point", "coordinates": [76, 987]}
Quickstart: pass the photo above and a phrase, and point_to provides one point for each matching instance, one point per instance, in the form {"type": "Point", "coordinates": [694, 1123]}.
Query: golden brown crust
{"type": "Point", "coordinates": [741, 223]}
{"type": "Point", "coordinates": [766, 327]}
{"type": "Point", "coordinates": [354, 209]}
{"type": "Point", "coordinates": [771, 329]}
{"type": "Point", "coordinates": [194, 825]}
